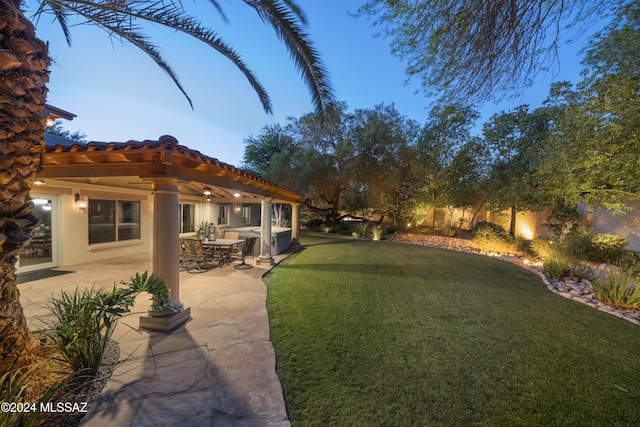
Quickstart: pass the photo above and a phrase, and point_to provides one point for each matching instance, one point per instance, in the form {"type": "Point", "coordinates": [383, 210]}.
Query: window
{"type": "Point", "coordinates": [223, 215]}
{"type": "Point", "coordinates": [187, 218]}
{"type": "Point", "coordinates": [113, 221]}
{"type": "Point", "coordinates": [246, 214]}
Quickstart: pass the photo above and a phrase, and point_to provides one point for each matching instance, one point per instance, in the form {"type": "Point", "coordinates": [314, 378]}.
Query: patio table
{"type": "Point", "coordinates": [222, 248]}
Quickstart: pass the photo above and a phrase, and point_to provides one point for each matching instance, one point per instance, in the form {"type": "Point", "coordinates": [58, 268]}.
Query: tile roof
{"type": "Point", "coordinates": [59, 145]}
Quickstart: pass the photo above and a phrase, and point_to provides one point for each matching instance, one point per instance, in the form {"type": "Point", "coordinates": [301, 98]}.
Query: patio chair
{"type": "Point", "coordinates": [247, 250]}
{"type": "Point", "coordinates": [196, 256]}
{"type": "Point", "coordinates": [231, 235]}
{"type": "Point", "coordinates": [183, 259]}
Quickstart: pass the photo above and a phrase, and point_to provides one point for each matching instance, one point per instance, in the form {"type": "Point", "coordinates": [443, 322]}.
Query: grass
{"type": "Point", "coordinates": [381, 334]}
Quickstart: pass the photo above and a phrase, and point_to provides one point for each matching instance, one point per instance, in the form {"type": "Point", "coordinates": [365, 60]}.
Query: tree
{"type": "Point", "coordinates": [596, 137]}
{"type": "Point", "coordinates": [260, 150]}
{"type": "Point", "coordinates": [326, 163]}
{"type": "Point", "coordinates": [448, 159]}
{"type": "Point", "coordinates": [515, 139]}
{"type": "Point", "coordinates": [24, 72]}
{"type": "Point", "coordinates": [59, 130]}
{"type": "Point", "coordinates": [269, 155]}
{"type": "Point", "coordinates": [343, 165]}
{"type": "Point", "coordinates": [384, 180]}
{"type": "Point", "coordinates": [478, 49]}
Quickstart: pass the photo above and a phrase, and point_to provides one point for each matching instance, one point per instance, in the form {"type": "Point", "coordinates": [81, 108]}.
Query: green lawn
{"type": "Point", "coordinates": [382, 334]}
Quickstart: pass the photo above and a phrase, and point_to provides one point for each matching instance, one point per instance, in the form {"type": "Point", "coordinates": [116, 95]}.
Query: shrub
{"type": "Point", "coordinates": [378, 233]}
{"type": "Point", "coordinates": [576, 244]}
{"type": "Point", "coordinates": [620, 289]}
{"type": "Point", "coordinates": [343, 228]}
{"type": "Point", "coordinates": [523, 245]}
{"type": "Point", "coordinates": [486, 228]}
{"type": "Point", "coordinates": [82, 330]}
{"type": "Point", "coordinates": [563, 218]}
{"type": "Point", "coordinates": [449, 230]}
{"type": "Point", "coordinates": [85, 319]}
{"type": "Point", "coordinates": [630, 261]}
{"type": "Point", "coordinates": [609, 248]}
{"type": "Point", "coordinates": [544, 248]}
{"type": "Point", "coordinates": [314, 224]}
{"type": "Point", "coordinates": [581, 271]}
{"type": "Point", "coordinates": [582, 245]}
{"type": "Point", "coordinates": [492, 237]}
{"type": "Point", "coordinates": [556, 268]}
{"type": "Point", "coordinates": [360, 227]}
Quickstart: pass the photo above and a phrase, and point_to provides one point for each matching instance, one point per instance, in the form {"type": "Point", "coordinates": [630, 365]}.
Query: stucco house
{"type": "Point", "coordinates": [100, 200]}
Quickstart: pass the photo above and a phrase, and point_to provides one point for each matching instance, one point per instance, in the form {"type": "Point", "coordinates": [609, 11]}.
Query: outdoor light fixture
{"type": "Point", "coordinates": [236, 195]}
{"type": "Point", "coordinates": [81, 202]}
{"type": "Point", "coordinates": [50, 123]}
{"type": "Point", "coordinates": [38, 181]}
{"type": "Point", "coordinates": [208, 198]}
{"type": "Point", "coordinates": [207, 191]}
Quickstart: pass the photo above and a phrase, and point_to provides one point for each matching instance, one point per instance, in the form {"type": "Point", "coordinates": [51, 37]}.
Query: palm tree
{"type": "Point", "coordinates": [24, 64]}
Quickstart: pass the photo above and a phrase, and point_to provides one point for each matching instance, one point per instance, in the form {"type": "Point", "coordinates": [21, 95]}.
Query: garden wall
{"type": "Point", "coordinates": [627, 224]}
{"type": "Point", "coordinates": [530, 224]}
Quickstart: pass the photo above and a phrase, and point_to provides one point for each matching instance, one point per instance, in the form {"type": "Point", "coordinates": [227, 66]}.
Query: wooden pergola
{"type": "Point", "coordinates": [168, 169]}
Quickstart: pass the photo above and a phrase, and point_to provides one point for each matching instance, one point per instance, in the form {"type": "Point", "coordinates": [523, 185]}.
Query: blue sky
{"type": "Point", "coordinates": [119, 94]}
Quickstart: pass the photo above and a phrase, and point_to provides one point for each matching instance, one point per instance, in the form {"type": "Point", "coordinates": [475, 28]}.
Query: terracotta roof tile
{"type": "Point", "coordinates": [61, 145]}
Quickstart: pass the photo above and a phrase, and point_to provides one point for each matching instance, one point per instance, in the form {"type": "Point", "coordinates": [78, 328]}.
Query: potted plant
{"type": "Point", "coordinates": [203, 228]}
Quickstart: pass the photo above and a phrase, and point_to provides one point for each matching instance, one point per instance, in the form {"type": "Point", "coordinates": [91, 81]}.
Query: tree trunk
{"type": "Point", "coordinates": [512, 227]}
{"type": "Point", "coordinates": [24, 73]}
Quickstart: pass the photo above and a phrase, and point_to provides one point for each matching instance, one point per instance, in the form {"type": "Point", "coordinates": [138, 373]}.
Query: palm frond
{"type": "Point", "coordinates": [59, 15]}
{"type": "Point", "coordinates": [296, 9]}
{"type": "Point", "coordinates": [114, 22]}
{"type": "Point", "coordinates": [176, 18]}
{"type": "Point", "coordinates": [285, 22]}
{"type": "Point", "coordinates": [217, 7]}
{"type": "Point", "coordinates": [122, 18]}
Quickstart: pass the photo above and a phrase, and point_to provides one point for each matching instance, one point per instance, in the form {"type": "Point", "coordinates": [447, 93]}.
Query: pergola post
{"type": "Point", "coordinates": [265, 233]}
{"type": "Point", "coordinates": [166, 229]}
{"type": "Point", "coordinates": [295, 221]}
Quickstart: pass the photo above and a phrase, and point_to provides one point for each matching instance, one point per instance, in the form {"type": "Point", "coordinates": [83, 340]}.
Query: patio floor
{"type": "Point", "coordinates": [218, 369]}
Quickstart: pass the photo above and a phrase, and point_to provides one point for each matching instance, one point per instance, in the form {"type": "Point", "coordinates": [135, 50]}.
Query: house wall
{"type": "Point", "coordinates": [71, 228]}
{"type": "Point", "coordinates": [74, 245]}
{"type": "Point", "coordinates": [208, 211]}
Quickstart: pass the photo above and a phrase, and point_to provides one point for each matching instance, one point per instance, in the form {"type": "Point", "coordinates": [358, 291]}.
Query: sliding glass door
{"type": "Point", "coordinates": [43, 250]}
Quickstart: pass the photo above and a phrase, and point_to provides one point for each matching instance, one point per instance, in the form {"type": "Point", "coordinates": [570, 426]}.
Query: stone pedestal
{"type": "Point", "coordinates": [166, 322]}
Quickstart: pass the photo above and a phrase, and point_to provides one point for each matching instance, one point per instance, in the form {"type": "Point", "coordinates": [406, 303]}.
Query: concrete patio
{"type": "Point", "coordinates": [218, 369]}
